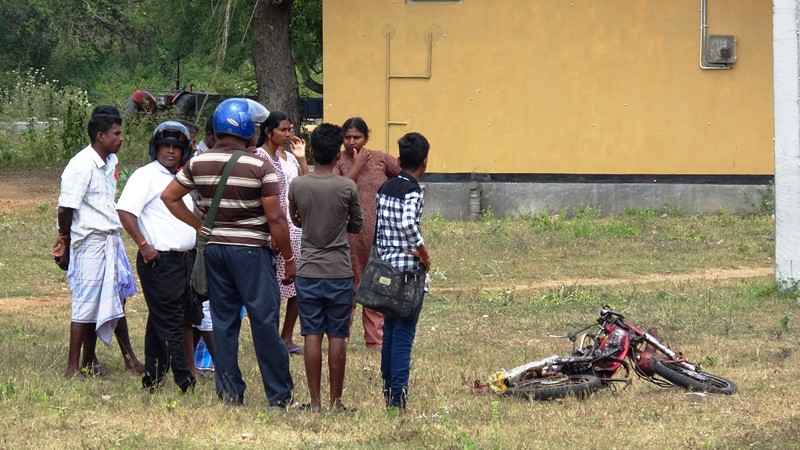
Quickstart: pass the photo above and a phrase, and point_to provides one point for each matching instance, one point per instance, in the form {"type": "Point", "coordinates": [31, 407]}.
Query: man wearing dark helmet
{"type": "Point", "coordinates": [164, 259]}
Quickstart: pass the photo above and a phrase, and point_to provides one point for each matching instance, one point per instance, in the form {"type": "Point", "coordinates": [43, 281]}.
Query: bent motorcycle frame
{"type": "Point", "coordinates": [617, 340]}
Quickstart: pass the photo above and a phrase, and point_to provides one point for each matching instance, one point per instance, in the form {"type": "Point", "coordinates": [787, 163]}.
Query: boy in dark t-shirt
{"type": "Point", "coordinates": [326, 207]}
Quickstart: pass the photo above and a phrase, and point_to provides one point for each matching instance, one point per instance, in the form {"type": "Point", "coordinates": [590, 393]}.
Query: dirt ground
{"type": "Point", "coordinates": [34, 186]}
{"type": "Point", "coordinates": [20, 186]}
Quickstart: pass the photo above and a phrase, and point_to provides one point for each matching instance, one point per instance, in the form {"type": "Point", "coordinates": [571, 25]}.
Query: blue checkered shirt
{"type": "Point", "coordinates": [399, 205]}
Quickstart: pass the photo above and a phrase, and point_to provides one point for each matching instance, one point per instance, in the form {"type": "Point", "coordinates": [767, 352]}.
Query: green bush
{"type": "Point", "coordinates": [52, 118]}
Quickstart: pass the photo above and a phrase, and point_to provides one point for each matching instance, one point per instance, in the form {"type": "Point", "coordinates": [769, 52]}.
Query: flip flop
{"type": "Point", "coordinates": [308, 408]}
{"type": "Point", "coordinates": [296, 351]}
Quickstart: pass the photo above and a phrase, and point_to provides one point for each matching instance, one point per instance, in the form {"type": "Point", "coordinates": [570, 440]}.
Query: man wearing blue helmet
{"type": "Point", "coordinates": [165, 257]}
{"type": "Point", "coordinates": [238, 256]}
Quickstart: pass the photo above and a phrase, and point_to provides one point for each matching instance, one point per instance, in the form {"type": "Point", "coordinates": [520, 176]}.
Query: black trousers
{"type": "Point", "coordinates": [165, 285]}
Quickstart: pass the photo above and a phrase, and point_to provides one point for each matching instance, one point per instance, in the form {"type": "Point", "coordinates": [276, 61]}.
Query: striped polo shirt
{"type": "Point", "coordinates": [240, 218]}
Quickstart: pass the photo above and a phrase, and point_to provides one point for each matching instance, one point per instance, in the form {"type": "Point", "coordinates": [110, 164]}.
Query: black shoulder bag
{"type": "Point", "coordinates": [388, 290]}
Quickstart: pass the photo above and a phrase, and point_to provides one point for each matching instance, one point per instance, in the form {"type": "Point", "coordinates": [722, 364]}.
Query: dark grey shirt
{"type": "Point", "coordinates": [326, 209]}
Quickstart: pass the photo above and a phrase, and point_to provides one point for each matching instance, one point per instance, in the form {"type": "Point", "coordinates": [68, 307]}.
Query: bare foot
{"type": "Point", "coordinates": [73, 372]}
{"type": "Point", "coordinates": [134, 367]}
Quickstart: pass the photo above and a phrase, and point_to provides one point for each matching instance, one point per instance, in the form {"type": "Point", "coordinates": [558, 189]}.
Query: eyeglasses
{"type": "Point", "coordinates": [171, 134]}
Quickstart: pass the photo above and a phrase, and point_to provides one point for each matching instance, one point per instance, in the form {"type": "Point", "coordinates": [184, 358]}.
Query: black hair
{"type": "Point", "coordinates": [105, 109]}
{"type": "Point", "coordinates": [357, 123]}
{"type": "Point", "coordinates": [210, 125]}
{"type": "Point", "coordinates": [190, 126]}
{"type": "Point", "coordinates": [273, 120]}
{"type": "Point", "coordinates": [326, 141]}
{"type": "Point", "coordinates": [101, 123]}
{"type": "Point", "coordinates": [413, 150]}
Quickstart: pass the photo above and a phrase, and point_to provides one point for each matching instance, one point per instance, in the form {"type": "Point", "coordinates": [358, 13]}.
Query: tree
{"type": "Point", "coordinates": [306, 32]}
{"type": "Point", "coordinates": [273, 58]}
{"type": "Point", "coordinates": [25, 35]}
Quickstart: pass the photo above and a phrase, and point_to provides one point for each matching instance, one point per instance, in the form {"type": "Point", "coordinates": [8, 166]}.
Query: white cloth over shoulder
{"type": "Point", "coordinates": [101, 280]}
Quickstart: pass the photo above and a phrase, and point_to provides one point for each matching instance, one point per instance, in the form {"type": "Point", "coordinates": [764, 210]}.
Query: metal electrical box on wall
{"type": "Point", "coordinates": [721, 49]}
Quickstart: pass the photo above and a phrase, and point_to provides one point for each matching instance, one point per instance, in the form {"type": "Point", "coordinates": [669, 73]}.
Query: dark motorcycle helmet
{"type": "Point", "coordinates": [171, 132]}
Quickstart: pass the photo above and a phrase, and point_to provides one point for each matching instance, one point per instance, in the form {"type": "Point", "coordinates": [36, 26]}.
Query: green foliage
{"type": "Point", "coordinates": [587, 221]}
{"type": "Point", "coordinates": [543, 222]}
{"type": "Point", "coordinates": [765, 204]}
{"type": "Point", "coordinates": [52, 119]}
{"type": "Point", "coordinates": [8, 390]}
{"type": "Point", "coordinates": [306, 33]}
{"type": "Point", "coordinates": [124, 174]}
{"type": "Point", "coordinates": [110, 49]}
{"type": "Point", "coordinates": [784, 322]}
{"type": "Point", "coordinates": [99, 52]}
{"type": "Point", "coordinates": [641, 213]}
{"type": "Point", "coordinates": [567, 295]}
{"type": "Point", "coordinates": [26, 36]}
{"type": "Point", "coordinates": [761, 290]}
{"type": "Point", "coordinates": [264, 417]}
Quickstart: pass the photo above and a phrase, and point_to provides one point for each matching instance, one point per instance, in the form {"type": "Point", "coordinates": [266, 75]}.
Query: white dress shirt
{"type": "Point", "coordinates": [88, 185]}
{"type": "Point", "coordinates": [142, 198]}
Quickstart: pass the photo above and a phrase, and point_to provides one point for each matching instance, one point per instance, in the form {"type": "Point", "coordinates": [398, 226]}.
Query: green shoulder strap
{"type": "Point", "coordinates": [208, 224]}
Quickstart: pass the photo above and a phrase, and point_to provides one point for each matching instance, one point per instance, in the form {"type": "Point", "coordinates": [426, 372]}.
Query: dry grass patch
{"type": "Point", "coordinates": [499, 287]}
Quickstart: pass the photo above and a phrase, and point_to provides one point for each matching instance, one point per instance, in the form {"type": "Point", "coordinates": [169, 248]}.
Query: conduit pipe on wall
{"type": "Point", "coordinates": [475, 191]}
{"type": "Point", "coordinates": [388, 31]}
{"type": "Point", "coordinates": [703, 36]}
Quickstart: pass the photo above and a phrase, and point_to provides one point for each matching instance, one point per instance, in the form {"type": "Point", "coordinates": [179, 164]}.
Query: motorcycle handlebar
{"type": "Point", "coordinates": [571, 336]}
{"type": "Point", "coordinates": [607, 312]}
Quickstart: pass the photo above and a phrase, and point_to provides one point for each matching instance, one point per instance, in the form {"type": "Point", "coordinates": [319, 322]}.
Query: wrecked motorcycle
{"type": "Point", "coordinates": [596, 361]}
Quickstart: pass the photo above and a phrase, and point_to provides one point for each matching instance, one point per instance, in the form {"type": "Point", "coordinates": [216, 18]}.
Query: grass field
{"type": "Point", "coordinates": [498, 288]}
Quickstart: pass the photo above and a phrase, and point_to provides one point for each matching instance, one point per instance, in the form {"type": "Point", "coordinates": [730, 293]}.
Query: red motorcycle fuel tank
{"type": "Point", "coordinates": [616, 338]}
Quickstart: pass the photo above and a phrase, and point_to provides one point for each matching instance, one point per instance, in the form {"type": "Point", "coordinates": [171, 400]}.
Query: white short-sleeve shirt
{"type": "Point", "coordinates": [142, 198]}
{"type": "Point", "coordinates": [88, 185]}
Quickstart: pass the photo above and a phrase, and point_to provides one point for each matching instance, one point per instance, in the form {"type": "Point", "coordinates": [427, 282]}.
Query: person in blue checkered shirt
{"type": "Point", "coordinates": [400, 243]}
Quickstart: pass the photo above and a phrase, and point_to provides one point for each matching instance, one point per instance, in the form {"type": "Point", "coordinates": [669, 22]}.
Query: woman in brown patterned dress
{"type": "Point", "coordinates": [369, 169]}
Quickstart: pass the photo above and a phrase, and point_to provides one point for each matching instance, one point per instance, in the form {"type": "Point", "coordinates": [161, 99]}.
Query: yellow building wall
{"type": "Point", "coordinates": [556, 86]}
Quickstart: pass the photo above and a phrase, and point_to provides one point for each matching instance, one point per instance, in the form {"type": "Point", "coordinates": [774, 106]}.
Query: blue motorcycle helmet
{"type": "Point", "coordinates": [257, 111]}
{"type": "Point", "coordinates": [238, 117]}
{"type": "Point", "coordinates": [171, 132]}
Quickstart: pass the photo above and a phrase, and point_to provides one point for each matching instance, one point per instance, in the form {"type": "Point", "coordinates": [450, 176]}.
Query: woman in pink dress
{"type": "Point", "coordinates": [369, 169]}
{"type": "Point", "coordinates": [277, 135]}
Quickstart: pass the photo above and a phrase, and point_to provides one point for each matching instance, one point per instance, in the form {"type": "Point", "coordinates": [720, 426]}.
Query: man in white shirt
{"type": "Point", "coordinates": [91, 247]}
{"type": "Point", "coordinates": [164, 260]}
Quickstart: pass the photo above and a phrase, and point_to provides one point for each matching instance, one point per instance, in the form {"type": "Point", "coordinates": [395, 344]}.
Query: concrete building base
{"type": "Point", "coordinates": [452, 199]}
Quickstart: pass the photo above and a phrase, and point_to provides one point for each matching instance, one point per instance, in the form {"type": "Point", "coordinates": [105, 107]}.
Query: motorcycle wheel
{"type": "Point", "coordinates": [556, 387]}
{"type": "Point", "coordinates": [693, 380]}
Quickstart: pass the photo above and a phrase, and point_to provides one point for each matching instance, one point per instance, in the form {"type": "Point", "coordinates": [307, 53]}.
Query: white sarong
{"type": "Point", "coordinates": [101, 280]}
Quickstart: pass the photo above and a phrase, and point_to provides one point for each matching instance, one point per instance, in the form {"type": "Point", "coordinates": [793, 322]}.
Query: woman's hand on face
{"type": "Point", "coordinates": [361, 156]}
{"type": "Point", "coordinates": [298, 146]}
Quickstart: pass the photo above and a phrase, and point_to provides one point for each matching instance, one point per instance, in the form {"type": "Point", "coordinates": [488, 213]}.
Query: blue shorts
{"type": "Point", "coordinates": [324, 305]}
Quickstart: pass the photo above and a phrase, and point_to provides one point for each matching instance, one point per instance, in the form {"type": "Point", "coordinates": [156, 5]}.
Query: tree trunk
{"type": "Point", "coordinates": [310, 82]}
{"type": "Point", "coordinates": [273, 59]}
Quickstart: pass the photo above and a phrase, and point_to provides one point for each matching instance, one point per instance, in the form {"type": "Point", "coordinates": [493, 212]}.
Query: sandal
{"type": "Point", "coordinates": [308, 408]}
{"type": "Point", "coordinates": [341, 409]}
